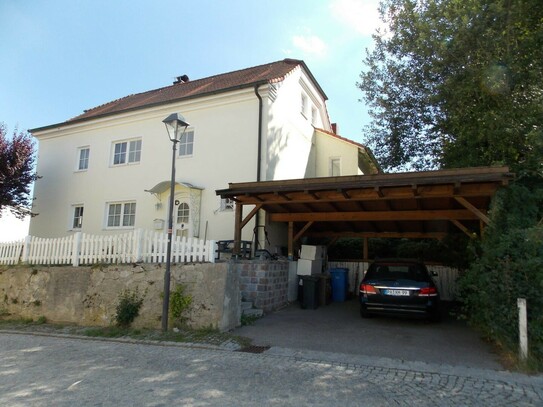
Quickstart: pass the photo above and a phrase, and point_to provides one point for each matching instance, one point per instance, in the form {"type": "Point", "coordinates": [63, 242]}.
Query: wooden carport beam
{"type": "Point", "coordinates": [458, 214]}
{"type": "Point", "coordinates": [470, 207]}
{"type": "Point", "coordinates": [238, 213]}
{"type": "Point", "coordinates": [463, 228]}
{"type": "Point", "coordinates": [301, 232]}
{"type": "Point", "coordinates": [250, 215]}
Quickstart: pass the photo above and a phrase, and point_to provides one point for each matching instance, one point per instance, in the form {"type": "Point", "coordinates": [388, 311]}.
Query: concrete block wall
{"type": "Point", "coordinates": [264, 282]}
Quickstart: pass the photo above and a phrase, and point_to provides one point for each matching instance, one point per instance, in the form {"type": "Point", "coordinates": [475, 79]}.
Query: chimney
{"type": "Point", "coordinates": [335, 128]}
{"type": "Point", "coordinates": [181, 79]}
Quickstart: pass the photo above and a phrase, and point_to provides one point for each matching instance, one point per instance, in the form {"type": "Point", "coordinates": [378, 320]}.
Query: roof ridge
{"type": "Point", "coordinates": [192, 82]}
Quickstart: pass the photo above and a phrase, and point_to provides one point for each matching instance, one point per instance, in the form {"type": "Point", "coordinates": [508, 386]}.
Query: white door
{"type": "Point", "coordinates": [182, 220]}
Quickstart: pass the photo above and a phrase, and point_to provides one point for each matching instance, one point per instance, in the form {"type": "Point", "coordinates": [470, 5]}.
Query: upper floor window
{"type": "Point", "coordinates": [313, 116]}
{"type": "Point", "coordinates": [335, 167]}
{"type": "Point", "coordinates": [303, 107]}
{"type": "Point", "coordinates": [83, 155]}
{"type": "Point", "coordinates": [127, 152]}
{"type": "Point", "coordinates": [77, 221]}
{"type": "Point", "coordinates": [121, 214]}
{"type": "Point", "coordinates": [186, 144]}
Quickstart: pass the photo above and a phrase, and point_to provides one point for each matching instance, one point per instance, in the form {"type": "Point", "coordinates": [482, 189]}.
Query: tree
{"type": "Point", "coordinates": [16, 172]}
{"type": "Point", "coordinates": [456, 83]}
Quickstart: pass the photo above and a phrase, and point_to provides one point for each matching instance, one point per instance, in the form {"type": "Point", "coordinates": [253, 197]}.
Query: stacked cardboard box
{"type": "Point", "coordinates": [311, 260]}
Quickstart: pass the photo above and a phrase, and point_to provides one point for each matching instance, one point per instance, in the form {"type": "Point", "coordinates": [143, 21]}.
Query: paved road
{"type": "Point", "coordinates": [51, 371]}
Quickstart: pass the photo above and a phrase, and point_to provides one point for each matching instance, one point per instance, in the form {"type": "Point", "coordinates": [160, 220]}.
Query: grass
{"type": "Point", "coordinates": [205, 336]}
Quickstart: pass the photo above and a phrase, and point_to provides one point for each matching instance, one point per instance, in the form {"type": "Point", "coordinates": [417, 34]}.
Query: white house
{"type": "Point", "coordinates": [108, 169]}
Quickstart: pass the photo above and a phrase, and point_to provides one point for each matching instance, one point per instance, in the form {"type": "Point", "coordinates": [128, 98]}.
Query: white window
{"type": "Point", "coordinates": [313, 116]}
{"type": "Point", "coordinates": [127, 152]}
{"type": "Point", "coordinates": [183, 213]}
{"type": "Point", "coordinates": [303, 107]}
{"type": "Point", "coordinates": [227, 204]}
{"type": "Point", "coordinates": [186, 144]}
{"type": "Point", "coordinates": [83, 155]}
{"type": "Point", "coordinates": [121, 214]}
{"type": "Point", "coordinates": [335, 167]}
{"type": "Point", "coordinates": [77, 221]}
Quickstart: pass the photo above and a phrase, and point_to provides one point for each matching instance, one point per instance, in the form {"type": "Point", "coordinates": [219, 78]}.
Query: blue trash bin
{"type": "Point", "coordinates": [340, 278]}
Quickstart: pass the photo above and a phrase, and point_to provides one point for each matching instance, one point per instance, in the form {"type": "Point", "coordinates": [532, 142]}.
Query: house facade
{"type": "Point", "coordinates": [108, 170]}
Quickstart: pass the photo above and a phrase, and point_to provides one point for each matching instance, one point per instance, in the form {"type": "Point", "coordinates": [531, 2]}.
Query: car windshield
{"type": "Point", "coordinates": [397, 271]}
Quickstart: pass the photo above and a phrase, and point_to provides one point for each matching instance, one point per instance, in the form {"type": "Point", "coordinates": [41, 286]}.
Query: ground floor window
{"type": "Point", "coordinates": [77, 221]}
{"type": "Point", "coordinates": [121, 214]}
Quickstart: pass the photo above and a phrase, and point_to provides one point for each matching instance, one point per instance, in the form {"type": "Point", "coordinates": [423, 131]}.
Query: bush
{"type": "Point", "coordinates": [179, 304]}
{"type": "Point", "coordinates": [509, 265]}
{"type": "Point", "coordinates": [128, 307]}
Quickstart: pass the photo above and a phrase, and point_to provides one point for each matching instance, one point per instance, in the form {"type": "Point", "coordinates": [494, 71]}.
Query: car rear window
{"type": "Point", "coordinates": [395, 271]}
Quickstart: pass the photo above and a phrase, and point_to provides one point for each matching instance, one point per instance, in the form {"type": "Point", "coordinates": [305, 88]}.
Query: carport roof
{"type": "Point", "coordinates": [429, 204]}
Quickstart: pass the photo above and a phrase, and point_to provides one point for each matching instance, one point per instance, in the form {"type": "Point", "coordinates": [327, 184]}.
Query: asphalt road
{"type": "Point", "coordinates": [338, 327]}
{"type": "Point", "coordinates": [55, 371]}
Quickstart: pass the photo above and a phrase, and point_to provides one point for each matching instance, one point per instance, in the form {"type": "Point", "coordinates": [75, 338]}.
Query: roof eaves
{"type": "Point", "coordinates": [150, 105]}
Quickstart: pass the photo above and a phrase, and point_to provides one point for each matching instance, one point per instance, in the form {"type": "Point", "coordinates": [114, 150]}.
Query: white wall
{"type": "Point", "coordinates": [225, 148]}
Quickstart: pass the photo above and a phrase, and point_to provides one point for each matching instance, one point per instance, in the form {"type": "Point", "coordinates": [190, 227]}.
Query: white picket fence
{"type": "Point", "coordinates": [83, 249]}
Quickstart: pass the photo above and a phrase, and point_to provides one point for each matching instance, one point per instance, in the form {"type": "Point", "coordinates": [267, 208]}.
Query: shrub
{"type": "Point", "coordinates": [179, 304]}
{"type": "Point", "coordinates": [509, 266]}
{"type": "Point", "coordinates": [128, 307]}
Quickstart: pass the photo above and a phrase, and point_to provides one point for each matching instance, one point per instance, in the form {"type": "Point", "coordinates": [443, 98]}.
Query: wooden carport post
{"type": "Point", "coordinates": [291, 240]}
{"type": "Point", "coordinates": [237, 230]}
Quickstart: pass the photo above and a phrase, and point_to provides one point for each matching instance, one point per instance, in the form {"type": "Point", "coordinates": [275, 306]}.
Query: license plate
{"type": "Point", "coordinates": [397, 292]}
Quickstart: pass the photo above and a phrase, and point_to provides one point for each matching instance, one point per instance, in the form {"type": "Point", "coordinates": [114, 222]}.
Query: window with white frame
{"type": "Point", "coordinates": [313, 115]}
{"type": "Point", "coordinates": [335, 167]}
{"type": "Point", "coordinates": [121, 214]}
{"type": "Point", "coordinates": [186, 144]}
{"type": "Point", "coordinates": [77, 220]}
{"type": "Point", "coordinates": [83, 154]}
{"type": "Point", "coordinates": [127, 152]}
{"type": "Point", "coordinates": [303, 107]}
{"type": "Point", "coordinates": [183, 213]}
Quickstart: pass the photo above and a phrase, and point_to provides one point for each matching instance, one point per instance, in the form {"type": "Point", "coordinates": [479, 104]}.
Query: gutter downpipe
{"type": "Point", "coordinates": [259, 163]}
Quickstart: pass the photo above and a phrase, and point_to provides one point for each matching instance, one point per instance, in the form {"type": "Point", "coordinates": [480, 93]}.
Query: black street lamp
{"type": "Point", "coordinates": [176, 125]}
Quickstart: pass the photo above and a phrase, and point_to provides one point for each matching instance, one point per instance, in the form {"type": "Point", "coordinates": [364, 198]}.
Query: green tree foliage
{"type": "Point", "coordinates": [16, 171]}
{"type": "Point", "coordinates": [509, 266]}
{"type": "Point", "coordinates": [456, 83]}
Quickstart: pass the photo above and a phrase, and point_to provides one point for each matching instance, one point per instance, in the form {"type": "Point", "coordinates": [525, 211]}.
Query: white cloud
{"type": "Point", "coordinates": [310, 44]}
{"type": "Point", "coordinates": [360, 15]}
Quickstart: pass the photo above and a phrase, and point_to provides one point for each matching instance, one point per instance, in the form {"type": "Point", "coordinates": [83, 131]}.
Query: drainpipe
{"type": "Point", "coordinates": [258, 161]}
{"type": "Point", "coordinates": [259, 152]}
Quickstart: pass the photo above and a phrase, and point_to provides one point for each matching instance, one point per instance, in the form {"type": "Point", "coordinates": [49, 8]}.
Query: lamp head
{"type": "Point", "coordinates": [176, 126]}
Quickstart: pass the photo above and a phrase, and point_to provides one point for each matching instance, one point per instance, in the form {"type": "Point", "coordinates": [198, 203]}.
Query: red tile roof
{"type": "Point", "coordinates": [243, 78]}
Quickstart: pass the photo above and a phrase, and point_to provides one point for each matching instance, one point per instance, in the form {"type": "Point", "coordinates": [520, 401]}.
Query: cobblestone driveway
{"type": "Point", "coordinates": [45, 371]}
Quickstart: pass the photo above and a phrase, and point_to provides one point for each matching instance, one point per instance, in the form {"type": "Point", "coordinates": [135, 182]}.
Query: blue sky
{"type": "Point", "coordinates": [60, 57]}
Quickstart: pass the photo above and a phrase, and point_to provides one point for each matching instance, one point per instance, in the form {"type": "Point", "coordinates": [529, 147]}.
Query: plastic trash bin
{"type": "Point", "coordinates": [310, 292]}
{"type": "Point", "coordinates": [340, 280]}
{"type": "Point", "coordinates": [325, 289]}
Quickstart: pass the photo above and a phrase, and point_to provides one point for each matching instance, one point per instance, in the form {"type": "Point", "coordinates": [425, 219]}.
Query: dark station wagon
{"type": "Point", "coordinates": [399, 287]}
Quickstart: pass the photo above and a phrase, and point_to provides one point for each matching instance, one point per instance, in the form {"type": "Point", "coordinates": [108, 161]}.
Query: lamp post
{"type": "Point", "coordinates": [176, 125]}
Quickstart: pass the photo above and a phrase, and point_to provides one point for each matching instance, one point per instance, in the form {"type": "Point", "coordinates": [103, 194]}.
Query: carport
{"type": "Point", "coordinates": [429, 204]}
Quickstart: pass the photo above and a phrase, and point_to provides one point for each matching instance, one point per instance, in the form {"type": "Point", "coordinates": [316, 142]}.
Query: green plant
{"type": "Point", "coordinates": [41, 320]}
{"type": "Point", "coordinates": [248, 319]}
{"type": "Point", "coordinates": [128, 307]}
{"type": "Point", "coordinates": [179, 304]}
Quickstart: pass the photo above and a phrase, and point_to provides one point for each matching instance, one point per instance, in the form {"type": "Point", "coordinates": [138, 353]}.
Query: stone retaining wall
{"type": "Point", "coordinates": [88, 295]}
{"type": "Point", "coordinates": [265, 283]}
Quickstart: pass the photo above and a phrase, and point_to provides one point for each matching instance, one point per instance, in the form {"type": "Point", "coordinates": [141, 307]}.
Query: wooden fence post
{"type": "Point", "coordinates": [523, 329]}
{"type": "Point", "coordinates": [76, 247]}
{"type": "Point", "coordinates": [138, 236]}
